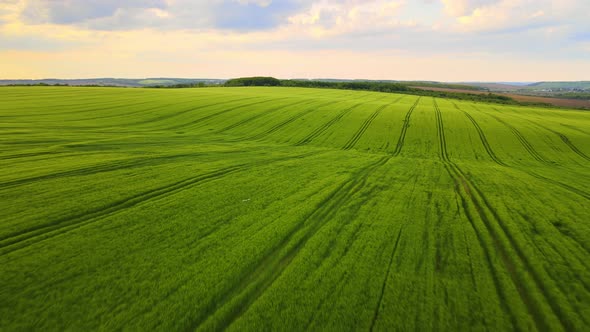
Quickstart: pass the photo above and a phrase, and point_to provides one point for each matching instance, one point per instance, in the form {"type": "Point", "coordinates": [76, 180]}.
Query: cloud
{"type": "Point", "coordinates": [253, 14]}
{"type": "Point", "coordinates": [330, 17]}
{"type": "Point", "coordinates": [465, 7]}
{"type": "Point", "coordinates": [80, 11]}
{"type": "Point", "coordinates": [182, 31]}
{"type": "Point", "coordinates": [164, 14]}
{"type": "Point", "coordinates": [516, 15]}
{"type": "Point", "coordinates": [260, 3]}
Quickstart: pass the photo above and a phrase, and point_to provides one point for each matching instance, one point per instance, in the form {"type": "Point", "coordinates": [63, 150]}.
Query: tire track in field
{"type": "Point", "coordinates": [264, 113]}
{"type": "Point", "coordinates": [405, 126]}
{"type": "Point", "coordinates": [462, 181]}
{"type": "Point", "coordinates": [94, 105]}
{"type": "Point", "coordinates": [179, 113]}
{"type": "Point", "coordinates": [318, 131]}
{"type": "Point", "coordinates": [123, 113]}
{"type": "Point", "coordinates": [575, 128]}
{"type": "Point", "coordinates": [42, 232]}
{"type": "Point", "coordinates": [512, 262]}
{"type": "Point", "coordinates": [562, 136]}
{"type": "Point", "coordinates": [567, 259]}
{"type": "Point", "coordinates": [499, 289]}
{"type": "Point", "coordinates": [60, 226]}
{"type": "Point", "coordinates": [559, 184]}
{"type": "Point", "coordinates": [384, 283]}
{"type": "Point", "coordinates": [288, 121]}
{"type": "Point", "coordinates": [102, 107]}
{"type": "Point", "coordinates": [26, 155]}
{"type": "Point", "coordinates": [503, 243]}
{"type": "Point", "coordinates": [442, 140]}
{"type": "Point", "coordinates": [260, 277]}
{"type": "Point", "coordinates": [523, 141]}
{"type": "Point", "coordinates": [362, 130]}
{"type": "Point", "coordinates": [350, 239]}
{"type": "Point", "coordinates": [335, 292]}
{"type": "Point", "coordinates": [571, 145]}
{"type": "Point", "coordinates": [96, 169]}
{"type": "Point", "coordinates": [210, 116]}
{"type": "Point", "coordinates": [482, 136]}
{"type": "Point", "coordinates": [357, 136]}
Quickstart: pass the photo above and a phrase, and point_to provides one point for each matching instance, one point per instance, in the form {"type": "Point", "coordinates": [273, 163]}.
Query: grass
{"type": "Point", "coordinates": [290, 209]}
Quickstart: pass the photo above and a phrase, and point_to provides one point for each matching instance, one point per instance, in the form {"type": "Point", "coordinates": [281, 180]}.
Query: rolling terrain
{"type": "Point", "coordinates": [249, 209]}
{"type": "Point", "coordinates": [523, 98]}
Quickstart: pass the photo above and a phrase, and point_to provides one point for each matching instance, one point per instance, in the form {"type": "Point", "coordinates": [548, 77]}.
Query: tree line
{"type": "Point", "coordinates": [373, 86]}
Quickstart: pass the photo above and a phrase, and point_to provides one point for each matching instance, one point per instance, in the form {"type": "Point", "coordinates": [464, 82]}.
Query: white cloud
{"type": "Point", "coordinates": [465, 7]}
{"type": "Point", "coordinates": [516, 15]}
{"type": "Point", "coordinates": [181, 31]}
{"type": "Point", "coordinates": [329, 17]}
{"type": "Point", "coordinates": [261, 3]}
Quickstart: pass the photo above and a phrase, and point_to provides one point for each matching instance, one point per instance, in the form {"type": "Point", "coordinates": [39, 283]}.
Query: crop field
{"type": "Point", "coordinates": [269, 209]}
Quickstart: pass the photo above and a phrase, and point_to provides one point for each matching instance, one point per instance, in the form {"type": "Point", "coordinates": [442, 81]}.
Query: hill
{"type": "Point", "coordinates": [564, 86]}
{"type": "Point", "coordinates": [270, 208]}
{"type": "Point", "coordinates": [120, 82]}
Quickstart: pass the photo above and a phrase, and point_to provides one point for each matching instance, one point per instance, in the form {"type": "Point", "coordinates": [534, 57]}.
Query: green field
{"type": "Point", "coordinates": [264, 209]}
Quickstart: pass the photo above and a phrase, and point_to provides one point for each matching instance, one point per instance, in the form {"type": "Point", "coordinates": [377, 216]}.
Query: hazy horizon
{"type": "Point", "coordinates": [282, 78]}
{"type": "Point", "coordinates": [433, 40]}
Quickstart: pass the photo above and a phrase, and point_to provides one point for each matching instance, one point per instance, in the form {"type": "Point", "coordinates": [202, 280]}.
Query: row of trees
{"type": "Point", "coordinates": [369, 86]}
{"type": "Point", "coordinates": [179, 86]}
{"type": "Point", "coordinates": [254, 81]}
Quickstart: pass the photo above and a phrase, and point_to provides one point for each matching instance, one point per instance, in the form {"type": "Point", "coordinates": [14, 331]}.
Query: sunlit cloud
{"type": "Point", "coordinates": [78, 38]}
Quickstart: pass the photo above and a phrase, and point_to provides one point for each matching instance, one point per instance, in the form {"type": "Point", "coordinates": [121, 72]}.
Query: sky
{"type": "Point", "coordinates": [442, 40]}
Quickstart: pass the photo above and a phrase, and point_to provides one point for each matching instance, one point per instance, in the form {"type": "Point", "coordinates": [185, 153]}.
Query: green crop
{"type": "Point", "coordinates": [266, 208]}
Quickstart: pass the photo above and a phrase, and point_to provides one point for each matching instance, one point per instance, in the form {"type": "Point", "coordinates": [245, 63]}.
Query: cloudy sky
{"type": "Point", "coordinates": [447, 40]}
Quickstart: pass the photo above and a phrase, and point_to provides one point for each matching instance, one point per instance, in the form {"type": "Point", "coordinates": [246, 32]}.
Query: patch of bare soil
{"type": "Point", "coordinates": [560, 102]}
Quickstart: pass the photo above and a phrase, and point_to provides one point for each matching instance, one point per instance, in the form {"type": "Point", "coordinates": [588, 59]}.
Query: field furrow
{"type": "Point", "coordinates": [267, 208]}
{"type": "Point", "coordinates": [405, 126]}
{"type": "Point", "coordinates": [57, 227]}
{"type": "Point", "coordinates": [288, 121]}
{"type": "Point", "coordinates": [352, 142]}
{"type": "Point", "coordinates": [318, 131]}
{"type": "Point", "coordinates": [482, 137]}
{"type": "Point", "coordinates": [276, 261]}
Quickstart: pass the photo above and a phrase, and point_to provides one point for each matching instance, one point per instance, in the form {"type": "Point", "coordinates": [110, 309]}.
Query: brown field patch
{"type": "Point", "coordinates": [560, 102]}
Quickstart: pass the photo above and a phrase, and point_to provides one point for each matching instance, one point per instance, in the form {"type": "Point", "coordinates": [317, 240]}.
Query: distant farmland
{"type": "Point", "coordinates": [255, 209]}
{"type": "Point", "coordinates": [559, 102]}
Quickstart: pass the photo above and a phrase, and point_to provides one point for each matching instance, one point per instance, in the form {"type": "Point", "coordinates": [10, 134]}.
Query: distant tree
{"type": "Point", "coordinates": [253, 81]}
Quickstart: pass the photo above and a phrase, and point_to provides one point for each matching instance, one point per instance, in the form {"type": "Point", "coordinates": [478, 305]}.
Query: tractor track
{"type": "Point", "coordinates": [288, 121]}
{"type": "Point", "coordinates": [561, 136]}
{"type": "Point", "coordinates": [384, 283]}
{"type": "Point", "coordinates": [210, 116]}
{"type": "Point", "coordinates": [405, 126]}
{"type": "Point", "coordinates": [96, 169]}
{"type": "Point", "coordinates": [318, 131]}
{"type": "Point", "coordinates": [27, 155]}
{"type": "Point", "coordinates": [357, 136]}
{"type": "Point", "coordinates": [482, 137]}
{"type": "Point", "coordinates": [39, 233]}
{"type": "Point", "coordinates": [523, 141]}
{"type": "Point", "coordinates": [276, 261]}
{"type": "Point", "coordinates": [503, 243]}
{"type": "Point", "coordinates": [264, 113]}
{"type": "Point", "coordinates": [94, 107]}
{"type": "Point", "coordinates": [528, 147]}
{"type": "Point", "coordinates": [559, 184]}
{"type": "Point", "coordinates": [179, 113]}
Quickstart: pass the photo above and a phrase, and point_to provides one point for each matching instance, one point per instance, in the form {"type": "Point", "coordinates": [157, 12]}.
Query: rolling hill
{"type": "Point", "coordinates": [290, 209]}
